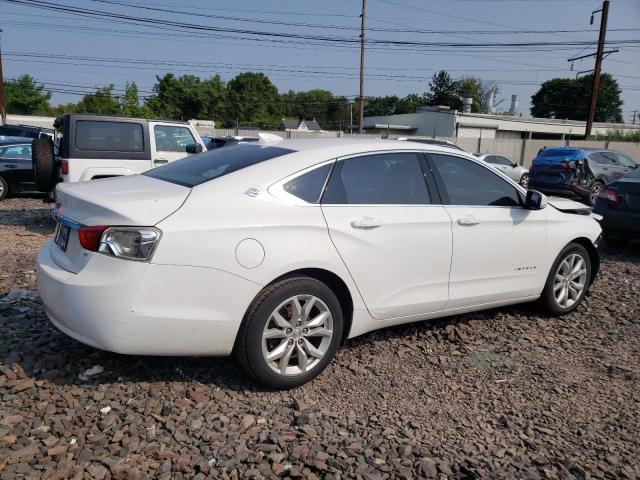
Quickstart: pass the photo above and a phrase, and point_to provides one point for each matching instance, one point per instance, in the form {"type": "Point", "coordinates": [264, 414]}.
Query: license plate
{"type": "Point", "coordinates": [62, 237]}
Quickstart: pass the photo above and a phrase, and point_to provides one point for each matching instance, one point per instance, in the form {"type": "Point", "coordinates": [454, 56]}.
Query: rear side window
{"type": "Point", "coordinates": [109, 136]}
{"type": "Point", "coordinates": [390, 178]}
{"type": "Point", "coordinates": [197, 169]}
{"type": "Point", "coordinates": [603, 158]}
{"type": "Point", "coordinates": [172, 139]}
{"type": "Point", "coordinates": [467, 183]}
{"type": "Point", "coordinates": [308, 186]}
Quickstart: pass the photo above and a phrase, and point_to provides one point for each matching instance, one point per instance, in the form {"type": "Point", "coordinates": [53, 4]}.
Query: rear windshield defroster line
{"type": "Point", "coordinates": [197, 169]}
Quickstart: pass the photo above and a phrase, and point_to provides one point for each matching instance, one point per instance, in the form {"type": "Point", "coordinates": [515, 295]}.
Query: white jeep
{"type": "Point", "coordinates": [89, 147]}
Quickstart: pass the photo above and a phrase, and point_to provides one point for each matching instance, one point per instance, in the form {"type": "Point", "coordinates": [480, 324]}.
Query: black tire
{"type": "Point", "coordinates": [248, 347]}
{"type": "Point", "coordinates": [616, 241]}
{"type": "Point", "coordinates": [4, 188]}
{"type": "Point", "coordinates": [44, 167]}
{"type": "Point", "coordinates": [547, 300]}
{"type": "Point", "coordinates": [524, 180]}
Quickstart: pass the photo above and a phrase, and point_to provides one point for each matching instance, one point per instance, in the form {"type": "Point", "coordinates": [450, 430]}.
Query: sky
{"type": "Point", "coordinates": [73, 54]}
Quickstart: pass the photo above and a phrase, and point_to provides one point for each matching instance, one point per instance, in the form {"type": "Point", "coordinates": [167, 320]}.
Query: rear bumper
{"type": "Point", "coordinates": [618, 222]}
{"type": "Point", "coordinates": [145, 309]}
{"type": "Point", "coordinates": [571, 191]}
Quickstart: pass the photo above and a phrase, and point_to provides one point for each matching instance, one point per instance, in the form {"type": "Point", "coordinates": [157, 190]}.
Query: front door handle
{"type": "Point", "coordinates": [366, 223]}
{"type": "Point", "coordinates": [160, 160]}
{"type": "Point", "coordinates": [468, 221]}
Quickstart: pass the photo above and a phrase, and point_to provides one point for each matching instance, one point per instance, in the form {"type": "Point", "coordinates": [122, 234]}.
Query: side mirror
{"type": "Point", "coordinates": [535, 200]}
{"type": "Point", "coordinates": [194, 148]}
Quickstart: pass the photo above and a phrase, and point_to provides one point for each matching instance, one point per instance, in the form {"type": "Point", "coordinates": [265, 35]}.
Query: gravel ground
{"type": "Point", "coordinates": [500, 394]}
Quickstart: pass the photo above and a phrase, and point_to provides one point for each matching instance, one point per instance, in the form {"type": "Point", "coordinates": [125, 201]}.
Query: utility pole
{"type": "Point", "coordinates": [635, 112]}
{"type": "Point", "coordinates": [596, 74]}
{"type": "Point", "coordinates": [361, 125]}
{"type": "Point", "coordinates": [3, 104]}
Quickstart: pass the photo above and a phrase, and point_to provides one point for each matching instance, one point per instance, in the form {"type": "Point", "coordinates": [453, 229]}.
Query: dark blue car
{"type": "Point", "coordinates": [577, 172]}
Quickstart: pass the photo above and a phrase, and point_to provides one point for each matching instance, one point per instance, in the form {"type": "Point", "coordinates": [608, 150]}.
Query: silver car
{"type": "Point", "coordinates": [510, 168]}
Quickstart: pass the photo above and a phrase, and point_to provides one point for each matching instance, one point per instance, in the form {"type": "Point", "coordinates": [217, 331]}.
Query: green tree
{"type": "Point", "coordinates": [187, 97]}
{"type": "Point", "coordinates": [253, 100]}
{"type": "Point", "coordinates": [320, 105]}
{"type": "Point", "coordinates": [478, 90]}
{"type": "Point", "coordinates": [25, 97]}
{"type": "Point", "coordinates": [130, 101]}
{"type": "Point", "coordinates": [443, 91]}
{"type": "Point", "coordinates": [102, 102]}
{"type": "Point", "coordinates": [569, 98]}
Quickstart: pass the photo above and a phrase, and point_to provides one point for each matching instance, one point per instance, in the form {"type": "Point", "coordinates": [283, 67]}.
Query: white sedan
{"type": "Point", "coordinates": [278, 252]}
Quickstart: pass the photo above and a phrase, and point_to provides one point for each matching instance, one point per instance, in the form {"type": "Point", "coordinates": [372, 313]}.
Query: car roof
{"type": "Point", "coordinates": [4, 141]}
{"type": "Point", "coordinates": [349, 146]}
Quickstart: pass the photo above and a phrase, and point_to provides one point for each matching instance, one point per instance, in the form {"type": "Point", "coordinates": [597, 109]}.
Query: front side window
{"type": "Point", "coordinates": [172, 139]}
{"type": "Point", "coordinates": [625, 161]}
{"type": "Point", "coordinates": [308, 186]}
{"type": "Point", "coordinates": [467, 183]}
{"type": "Point", "coordinates": [389, 178]}
{"type": "Point", "coordinates": [109, 136]}
{"type": "Point", "coordinates": [197, 169]}
{"type": "Point", "coordinates": [22, 152]}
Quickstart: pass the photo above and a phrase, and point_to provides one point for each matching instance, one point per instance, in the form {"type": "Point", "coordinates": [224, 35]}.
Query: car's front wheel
{"type": "Point", "coordinates": [595, 190]}
{"type": "Point", "coordinates": [290, 333]}
{"type": "Point", "coordinates": [524, 180]}
{"type": "Point", "coordinates": [568, 280]}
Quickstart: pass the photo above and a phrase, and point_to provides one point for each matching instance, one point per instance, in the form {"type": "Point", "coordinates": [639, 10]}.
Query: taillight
{"type": "Point", "coordinates": [90, 236]}
{"type": "Point", "coordinates": [129, 243]}
{"type": "Point", "coordinates": [64, 167]}
{"type": "Point", "coordinates": [609, 194]}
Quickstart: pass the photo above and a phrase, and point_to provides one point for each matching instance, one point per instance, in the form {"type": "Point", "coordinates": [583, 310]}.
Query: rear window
{"type": "Point", "coordinates": [109, 136]}
{"type": "Point", "coordinates": [197, 169]}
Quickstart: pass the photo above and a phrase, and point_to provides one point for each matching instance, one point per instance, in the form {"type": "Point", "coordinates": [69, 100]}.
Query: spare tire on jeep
{"type": "Point", "coordinates": [44, 167]}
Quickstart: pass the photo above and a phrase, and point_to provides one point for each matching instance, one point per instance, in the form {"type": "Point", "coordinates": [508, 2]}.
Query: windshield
{"type": "Point", "coordinates": [197, 169]}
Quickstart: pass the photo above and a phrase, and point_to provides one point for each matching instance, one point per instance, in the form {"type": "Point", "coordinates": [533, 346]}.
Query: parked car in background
{"type": "Point", "coordinates": [26, 131]}
{"type": "Point", "coordinates": [511, 169]}
{"type": "Point", "coordinates": [16, 174]}
{"type": "Point", "coordinates": [619, 204]}
{"type": "Point", "coordinates": [577, 172]}
{"type": "Point", "coordinates": [217, 142]}
{"type": "Point", "coordinates": [278, 251]}
{"type": "Point", "coordinates": [430, 141]}
{"type": "Point", "coordinates": [90, 147]}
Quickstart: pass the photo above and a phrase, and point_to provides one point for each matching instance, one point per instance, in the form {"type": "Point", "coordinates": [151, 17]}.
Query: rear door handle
{"type": "Point", "coordinates": [366, 223]}
{"type": "Point", "coordinates": [160, 160]}
{"type": "Point", "coordinates": [468, 221]}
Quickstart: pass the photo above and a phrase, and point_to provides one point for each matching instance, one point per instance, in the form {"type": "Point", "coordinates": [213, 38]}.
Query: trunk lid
{"type": "Point", "coordinates": [133, 200]}
{"type": "Point", "coordinates": [628, 191]}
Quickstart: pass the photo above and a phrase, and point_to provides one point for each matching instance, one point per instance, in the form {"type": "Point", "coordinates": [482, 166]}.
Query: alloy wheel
{"type": "Point", "coordinates": [524, 180]}
{"type": "Point", "coordinates": [297, 335]}
{"type": "Point", "coordinates": [570, 280]}
{"type": "Point", "coordinates": [595, 190]}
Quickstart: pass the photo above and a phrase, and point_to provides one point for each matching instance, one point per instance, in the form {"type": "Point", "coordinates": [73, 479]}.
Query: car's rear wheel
{"type": "Point", "coordinates": [290, 333]}
{"type": "Point", "coordinates": [568, 281]}
{"type": "Point", "coordinates": [524, 180]}
{"type": "Point", "coordinates": [4, 188]}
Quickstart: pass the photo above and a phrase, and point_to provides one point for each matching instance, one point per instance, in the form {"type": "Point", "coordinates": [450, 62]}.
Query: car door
{"type": "Point", "coordinates": [170, 142]}
{"type": "Point", "coordinates": [391, 231]}
{"type": "Point", "coordinates": [509, 168]}
{"type": "Point", "coordinates": [498, 246]}
{"type": "Point", "coordinates": [17, 166]}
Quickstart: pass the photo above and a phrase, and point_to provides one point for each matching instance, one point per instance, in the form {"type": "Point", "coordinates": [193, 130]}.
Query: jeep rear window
{"type": "Point", "coordinates": [197, 169]}
{"type": "Point", "coordinates": [109, 136]}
